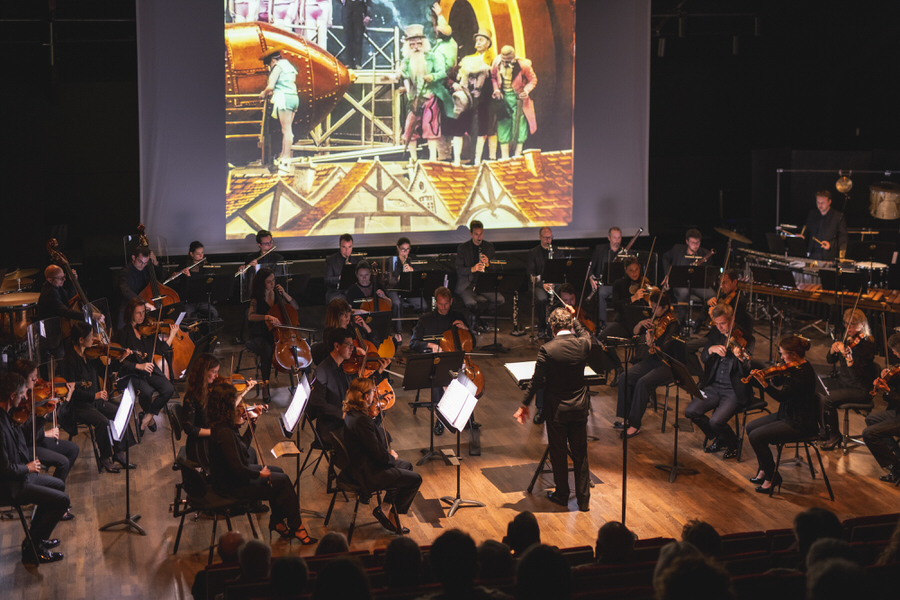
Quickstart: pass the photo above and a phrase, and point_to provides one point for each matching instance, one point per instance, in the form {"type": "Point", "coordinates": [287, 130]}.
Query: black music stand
{"type": "Point", "coordinates": [692, 277]}
{"type": "Point", "coordinates": [423, 284]}
{"type": "Point", "coordinates": [614, 272]}
{"type": "Point", "coordinates": [118, 429]}
{"type": "Point", "coordinates": [795, 246]}
{"type": "Point", "coordinates": [289, 422]}
{"type": "Point", "coordinates": [427, 371]}
{"type": "Point", "coordinates": [492, 279]}
{"type": "Point", "coordinates": [348, 277]}
{"type": "Point", "coordinates": [455, 409]}
{"type": "Point", "coordinates": [683, 381]}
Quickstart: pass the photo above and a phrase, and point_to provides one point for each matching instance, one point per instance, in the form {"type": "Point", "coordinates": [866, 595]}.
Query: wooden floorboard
{"type": "Point", "coordinates": [126, 565]}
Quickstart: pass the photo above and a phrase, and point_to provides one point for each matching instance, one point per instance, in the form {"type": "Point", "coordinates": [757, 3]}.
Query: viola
{"type": "Point", "coordinates": [773, 371]}
{"type": "Point", "coordinates": [587, 323]}
{"type": "Point", "coordinates": [155, 289]}
{"type": "Point", "coordinates": [378, 304]}
{"type": "Point", "coordinates": [641, 284]}
{"type": "Point", "coordinates": [460, 340]}
{"type": "Point", "coordinates": [365, 359]}
{"type": "Point", "coordinates": [239, 382]}
{"type": "Point", "coordinates": [292, 352]}
{"type": "Point", "coordinates": [660, 325]}
{"type": "Point", "coordinates": [23, 412]}
{"type": "Point", "coordinates": [384, 398]}
{"type": "Point", "coordinates": [883, 380]}
{"type": "Point", "coordinates": [113, 351]}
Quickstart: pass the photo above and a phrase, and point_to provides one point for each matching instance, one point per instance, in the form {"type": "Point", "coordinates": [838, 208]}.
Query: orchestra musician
{"type": "Point", "coordinates": [723, 391]}
{"type": "Point", "coordinates": [798, 409]}
{"type": "Point", "coordinates": [472, 258]}
{"type": "Point", "coordinates": [626, 292]}
{"type": "Point", "coordinates": [54, 301]}
{"type": "Point", "coordinates": [600, 259]}
{"type": "Point", "coordinates": [402, 263]}
{"type": "Point", "coordinates": [189, 267]}
{"type": "Point", "coordinates": [140, 367]}
{"type": "Point", "coordinates": [641, 380]}
{"type": "Point", "coordinates": [426, 337]}
{"type": "Point", "coordinates": [262, 299]}
{"type": "Point", "coordinates": [334, 264]}
{"type": "Point", "coordinates": [265, 256]}
{"type": "Point", "coordinates": [728, 294]}
{"type": "Point", "coordinates": [559, 370]}
{"type": "Point", "coordinates": [855, 361]}
{"type": "Point", "coordinates": [373, 464]}
{"type": "Point", "coordinates": [365, 287]}
{"type": "Point", "coordinates": [883, 427]}
{"type": "Point", "coordinates": [20, 476]}
{"type": "Point", "coordinates": [133, 278]}
{"type": "Point", "coordinates": [195, 417]}
{"type": "Point", "coordinates": [326, 399]}
{"type": "Point", "coordinates": [825, 230]}
{"type": "Point", "coordinates": [534, 266]}
{"type": "Point", "coordinates": [688, 254]}
{"type": "Point", "coordinates": [339, 315]}
{"type": "Point", "coordinates": [90, 403]}
{"type": "Point", "coordinates": [234, 475]}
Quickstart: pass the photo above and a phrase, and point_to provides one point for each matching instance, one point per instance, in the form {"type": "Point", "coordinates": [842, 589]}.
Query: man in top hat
{"type": "Point", "coordinates": [355, 16]}
{"type": "Point", "coordinates": [474, 80]}
{"type": "Point", "coordinates": [423, 73]}
{"type": "Point", "coordinates": [513, 80]}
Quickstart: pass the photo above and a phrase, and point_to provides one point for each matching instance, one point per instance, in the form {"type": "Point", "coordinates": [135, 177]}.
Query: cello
{"type": "Point", "coordinates": [379, 304]}
{"type": "Point", "coordinates": [80, 300]}
{"type": "Point", "coordinates": [460, 340]}
{"type": "Point", "coordinates": [292, 353]}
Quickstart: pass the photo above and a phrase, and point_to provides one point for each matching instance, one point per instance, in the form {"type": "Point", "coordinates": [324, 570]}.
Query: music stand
{"type": "Point", "coordinates": [118, 428]}
{"type": "Point", "coordinates": [427, 371]}
{"type": "Point", "coordinates": [835, 280]}
{"type": "Point", "coordinates": [289, 420]}
{"type": "Point", "coordinates": [775, 243]}
{"type": "Point", "coordinates": [795, 245]}
{"type": "Point", "coordinates": [454, 410]}
{"type": "Point", "coordinates": [492, 279]}
{"type": "Point", "coordinates": [692, 277]}
{"type": "Point", "coordinates": [424, 283]}
{"type": "Point", "coordinates": [348, 277]}
{"type": "Point", "coordinates": [683, 381]}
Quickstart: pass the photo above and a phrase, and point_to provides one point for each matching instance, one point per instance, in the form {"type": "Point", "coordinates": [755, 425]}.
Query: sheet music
{"type": "Point", "coordinates": [457, 404]}
{"type": "Point", "coordinates": [524, 371]}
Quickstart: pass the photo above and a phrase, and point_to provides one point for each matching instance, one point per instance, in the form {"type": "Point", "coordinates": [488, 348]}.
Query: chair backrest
{"type": "Point", "coordinates": [176, 417]}
{"type": "Point", "coordinates": [192, 481]}
{"type": "Point", "coordinates": [341, 459]}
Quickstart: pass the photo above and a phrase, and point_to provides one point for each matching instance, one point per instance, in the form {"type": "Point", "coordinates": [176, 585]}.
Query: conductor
{"type": "Point", "coordinates": [559, 371]}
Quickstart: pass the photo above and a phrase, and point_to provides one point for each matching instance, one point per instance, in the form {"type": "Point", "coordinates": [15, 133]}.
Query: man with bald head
{"type": "Point", "coordinates": [56, 294]}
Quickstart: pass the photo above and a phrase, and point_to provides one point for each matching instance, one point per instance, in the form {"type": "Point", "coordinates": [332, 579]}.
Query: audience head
{"type": "Point", "coordinates": [814, 523]}
{"type": "Point", "coordinates": [522, 532]}
{"type": "Point", "coordinates": [495, 560]}
{"type": "Point", "coordinates": [892, 552]}
{"type": "Point", "coordinates": [827, 548]}
{"type": "Point", "coordinates": [289, 578]}
{"type": "Point", "coordinates": [693, 578]}
{"type": "Point", "coordinates": [670, 552]}
{"type": "Point", "coordinates": [615, 544]}
{"type": "Point", "coordinates": [543, 572]}
{"type": "Point", "coordinates": [704, 536]}
{"type": "Point", "coordinates": [454, 561]}
{"type": "Point", "coordinates": [333, 542]}
{"type": "Point", "coordinates": [342, 578]}
{"type": "Point", "coordinates": [402, 563]}
{"type": "Point", "coordinates": [230, 543]}
{"type": "Point", "coordinates": [255, 558]}
{"type": "Point", "coordinates": [836, 579]}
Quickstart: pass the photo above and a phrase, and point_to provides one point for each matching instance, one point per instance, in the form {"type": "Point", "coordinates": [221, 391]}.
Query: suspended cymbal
{"type": "Point", "coordinates": [14, 285]}
{"type": "Point", "coordinates": [21, 274]}
{"type": "Point", "coordinates": [733, 235]}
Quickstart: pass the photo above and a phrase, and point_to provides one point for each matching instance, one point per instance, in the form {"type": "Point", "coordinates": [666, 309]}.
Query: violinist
{"type": "Point", "coordinates": [373, 464]}
{"type": "Point", "coordinates": [855, 361]}
{"type": "Point", "coordinates": [262, 299]}
{"type": "Point", "coordinates": [726, 363]}
{"type": "Point", "coordinates": [798, 409]}
{"type": "Point", "coordinates": [365, 287]}
{"type": "Point", "coordinates": [334, 264]}
{"type": "Point", "coordinates": [339, 315]}
{"type": "Point", "coordinates": [133, 278]}
{"type": "Point", "coordinates": [330, 386]}
{"type": "Point", "coordinates": [472, 258]}
{"type": "Point", "coordinates": [195, 419]}
{"type": "Point", "coordinates": [402, 263]}
{"type": "Point", "coordinates": [534, 266]}
{"type": "Point", "coordinates": [50, 450]}
{"type": "Point", "coordinates": [90, 404]}
{"type": "Point", "coordinates": [140, 367]}
{"type": "Point", "coordinates": [189, 267]}
{"type": "Point", "coordinates": [883, 427]}
{"type": "Point", "coordinates": [642, 379]}
{"type": "Point", "coordinates": [234, 475]}
{"type": "Point", "coordinates": [20, 476]}
{"type": "Point", "coordinates": [627, 291]}
{"type": "Point", "coordinates": [600, 283]}
{"type": "Point", "coordinates": [687, 254]}
{"type": "Point", "coordinates": [728, 292]}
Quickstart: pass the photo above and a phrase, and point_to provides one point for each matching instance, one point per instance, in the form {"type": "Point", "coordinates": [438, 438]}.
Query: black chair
{"type": "Point", "coordinates": [345, 484]}
{"type": "Point", "coordinates": [862, 408]}
{"type": "Point", "coordinates": [90, 429]}
{"type": "Point", "coordinates": [808, 442]}
{"type": "Point", "coordinates": [6, 499]}
{"type": "Point", "coordinates": [317, 444]}
{"type": "Point", "coordinates": [199, 497]}
{"type": "Point", "coordinates": [175, 413]}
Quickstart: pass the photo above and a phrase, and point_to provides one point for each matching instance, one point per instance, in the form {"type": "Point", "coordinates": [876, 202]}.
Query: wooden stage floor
{"type": "Point", "coordinates": [126, 565]}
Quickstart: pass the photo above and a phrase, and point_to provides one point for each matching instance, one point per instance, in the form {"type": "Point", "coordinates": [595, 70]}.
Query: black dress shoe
{"type": "Point", "coordinates": [552, 497]}
{"type": "Point", "coordinates": [438, 428]}
{"type": "Point", "coordinates": [715, 447]}
{"type": "Point", "coordinates": [584, 507]}
{"type": "Point", "coordinates": [618, 425]}
{"type": "Point", "coordinates": [152, 425]}
{"type": "Point", "coordinates": [44, 555]}
{"type": "Point", "coordinates": [257, 507]}
{"type": "Point", "coordinates": [120, 458]}
{"type": "Point", "coordinates": [538, 418]}
{"type": "Point", "coordinates": [386, 522]}
{"type": "Point", "coordinates": [68, 516]}
{"type": "Point", "coordinates": [109, 466]}
{"type": "Point", "coordinates": [893, 476]}
{"type": "Point", "coordinates": [832, 443]}
{"type": "Point", "coordinates": [615, 380]}
{"type": "Point", "coordinates": [50, 543]}
{"type": "Point", "coordinates": [729, 454]}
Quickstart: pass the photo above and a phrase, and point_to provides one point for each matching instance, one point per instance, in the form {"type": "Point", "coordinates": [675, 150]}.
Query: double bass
{"type": "Point", "coordinates": [79, 301]}
{"type": "Point", "coordinates": [460, 340]}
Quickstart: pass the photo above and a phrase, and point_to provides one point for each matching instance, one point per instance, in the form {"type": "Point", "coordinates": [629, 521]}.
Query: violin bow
{"type": "Point", "coordinates": [649, 257]}
{"type": "Point", "coordinates": [855, 304]}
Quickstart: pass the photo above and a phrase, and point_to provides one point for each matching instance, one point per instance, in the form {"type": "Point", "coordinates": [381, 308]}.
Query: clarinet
{"type": "Point", "coordinates": [515, 317]}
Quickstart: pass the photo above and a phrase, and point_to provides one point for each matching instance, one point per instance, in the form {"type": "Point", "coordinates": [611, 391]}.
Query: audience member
{"type": "Point", "coordinates": [693, 578]}
{"type": "Point", "coordinates": [289, 578]}
{"type": "Point", "coordinates": [670, 552]}
{"type": "Point", "coordinates": [828, 548]}
{"type": "Point", "coordinates": [255, 558]}
{"type": "Point", "coordinates": [229, 543]}
{"type": "Point", "coordinates": [615, 544]}
{"type": "Point", "coordinates": [333, 542]}
{"type": "Point", "coordinates": [342, 578]}
{"type": "Point", "coordinates": [495, 561]}
{"type": "Point", "coordinates": [454, 563]}
{"type": "Point", "coordinates": [522, 532]}
{"type": "Point", "coordinates": [812, 524]}
{"type": "Point", "coordinates": [703, 536]}
{"type": "Point", "coordinates": [836, 579]}
{"type": "Point", "coordinates": [543, 572]}
{"type": "Point", "coordinates": [402, 563]}
{"type": "Point", "coordinates": [891, 554]}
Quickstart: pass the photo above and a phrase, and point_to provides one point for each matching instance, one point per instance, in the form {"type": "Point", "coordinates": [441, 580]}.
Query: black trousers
{"type": "Point", "coordinates": [277, 490]}
{"type": "Point", "coordinates": [642, 381]}
{"type": "Point", "coordinates": [51, 502]}
{"type": "Point", "coordinates": [574, 435]}
{"type": "Point", "coordinates": [837, 398]}
{"type": "Point", "coordinates": [765, 431]}
{"type": "Point", "coordinates": [405, 486]}
{"type": "Point", "coordinates": [352, 16]}
{"type": "Point", "coordinates": [264, 346]}
{"type": "Point", "coordinates": [146, 386]}
{"type": "Point", "coordinates": [98, 415]}
{"type": "Point", "coordinates": [881, 429]}
{"type": "Point", "coordinates": [59, 454]}
{"type": "Point", "coordinates": [724, 404]}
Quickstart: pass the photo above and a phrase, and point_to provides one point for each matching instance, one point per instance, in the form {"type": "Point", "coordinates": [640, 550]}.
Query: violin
{"type": "Point", "coordinates": [660, 325]}
{"type": "Point", "coordinates": [149, 327]}
{"type": "Point", "coordinates": [773, 371]}
{"type": "Point", "coordinates": [641, 284]}
{"type": "Point", "coordinates": [253, 412]}
{"type": "Point", "coordinates": [365, 359]}
{"type": "Point", "coordinates": [113, 351]}
{"type": "Point", "coordinates": [738, 341]}
{"type": "Point", "coordinates": [22, 413]}
{"type": "Point", "coordinates": [384, 398]}
{"type": "Point", "coordinates": [239, 382]}
{"type": "Point", "coordinates": [460, 340]}
{"type": "Point", "coordinates": [883, 380]}
{"type": "Point", "coordinates": [587, 323]}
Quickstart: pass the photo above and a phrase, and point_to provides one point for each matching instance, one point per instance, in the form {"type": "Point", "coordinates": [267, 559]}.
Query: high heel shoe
{"type": "Point", "coordinates": [280, 528]}
{"type": "Point", "coordinates": [757, 480]}
{"type": "Point", "coordinates": [776, 481]}
{"type": "Point", "coordinates": [301, 534]}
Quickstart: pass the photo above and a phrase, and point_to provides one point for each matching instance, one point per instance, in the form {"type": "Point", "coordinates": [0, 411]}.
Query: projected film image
{"type": "Point", "coordinates": [386, 116]}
